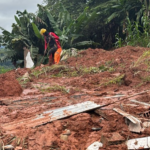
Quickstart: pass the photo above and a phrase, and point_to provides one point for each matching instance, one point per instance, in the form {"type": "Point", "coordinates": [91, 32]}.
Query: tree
{"type": "Point", "coordinates": [68, 29]}
{"type": "Point", "coordinates": [25, 32]}
{"type": "Point", "coordinates": [79, 23]}
{"type": "Point", "coordinates": [22, 35]}
{"type": "Point", "coordinates": [74, 7]}
{"type": "Point", "coordinates": [111, 16]}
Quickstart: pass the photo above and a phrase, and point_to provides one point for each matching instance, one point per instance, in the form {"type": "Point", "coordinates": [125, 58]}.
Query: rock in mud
{"type": "Point", "coordinates": [127, 79]}
{"type": "Point", "coordinates": [18, 148]}
{"type": "Point", "coordinates": [67, 132]}
{"type": "Point", "coordinates": [96, 128]}
{"type": "Point", "coordinates": [64, 137]}
{"type": "Point", "coordinates": [112, 139]}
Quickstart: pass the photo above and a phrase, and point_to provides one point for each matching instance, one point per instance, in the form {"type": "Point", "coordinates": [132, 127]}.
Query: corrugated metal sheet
{"type": "Point", "coordinates": [68, 111]}
{"type": "Point", "coordinates": [52, 115]}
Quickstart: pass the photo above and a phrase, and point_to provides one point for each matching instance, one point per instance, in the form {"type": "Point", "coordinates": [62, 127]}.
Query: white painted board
{"type": "Point", "coordinates": [95, 146]}
{"type": "Point", "coordinates": [138, 143]}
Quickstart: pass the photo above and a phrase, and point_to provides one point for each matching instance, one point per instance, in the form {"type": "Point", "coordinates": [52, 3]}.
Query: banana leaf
{"type": "Point", "coordinates": [36, 31]}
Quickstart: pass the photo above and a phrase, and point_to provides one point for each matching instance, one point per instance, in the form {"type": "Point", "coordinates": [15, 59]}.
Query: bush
{"type": "Point", "coordinates": [137, 33]}
{"type": "Point", "coordinates": [4, 69]}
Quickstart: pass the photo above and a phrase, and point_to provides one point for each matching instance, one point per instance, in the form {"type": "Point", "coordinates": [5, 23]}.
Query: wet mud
{"type": "Point", "coordinates": [21, 104]}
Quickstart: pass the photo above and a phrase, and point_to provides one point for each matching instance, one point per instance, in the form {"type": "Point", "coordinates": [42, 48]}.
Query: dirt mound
{"type": "Point", "coordinates": [9, 86]}
{"type": "Point", "coordinates": [92, 57]}
{"type": "Point", "coordinates": [18, 72]}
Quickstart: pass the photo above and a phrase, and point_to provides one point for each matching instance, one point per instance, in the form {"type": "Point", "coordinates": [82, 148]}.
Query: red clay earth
{"type": "Point", "coordinates": [83, 88]}
{"type": "Point", "coordinates": [9, 86]}
{"type": "Point", "coordinates": [121, 60]}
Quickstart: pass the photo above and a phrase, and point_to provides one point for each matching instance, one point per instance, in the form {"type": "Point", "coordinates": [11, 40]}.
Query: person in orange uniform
{"type": "Point", "coordinates": [52, 40]}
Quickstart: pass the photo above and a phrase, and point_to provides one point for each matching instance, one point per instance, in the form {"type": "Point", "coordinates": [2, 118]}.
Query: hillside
{"type": "Point", "coordinates": [110, 79]}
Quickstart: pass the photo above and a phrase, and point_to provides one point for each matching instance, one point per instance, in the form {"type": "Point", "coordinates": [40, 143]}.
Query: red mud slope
{"type": "Point", "coordinates": [94, 57]}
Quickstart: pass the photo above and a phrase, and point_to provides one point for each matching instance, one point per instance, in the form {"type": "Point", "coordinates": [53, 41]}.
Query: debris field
{"type": "Point", "coordinates": [97, 100]}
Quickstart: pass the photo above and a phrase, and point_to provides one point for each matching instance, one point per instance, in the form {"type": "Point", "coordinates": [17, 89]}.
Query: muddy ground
{"type": "Point", "coordinates": [93, 75]}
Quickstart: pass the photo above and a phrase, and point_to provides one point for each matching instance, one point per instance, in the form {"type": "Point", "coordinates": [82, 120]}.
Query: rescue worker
{"type": "Point", "coordinates": [52, 41]}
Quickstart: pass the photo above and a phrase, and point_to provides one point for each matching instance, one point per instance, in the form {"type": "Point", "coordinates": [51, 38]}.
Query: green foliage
{"type": "Point", "coordinates": [23, 81]}
{"type": "Point", "coordinates": [111, 69]}
{"type": "Point", "coordinates": [119, 41]}
{"type": "Point", "coordinates": [135, 31]}
{"type": "Point", "coordinates": [6, 54]}
{"type": "Point", "coordinates": [79, 23]}
{"type": "Point", "coordinates": [64, 71]}
{"type": "Point", "coordinates": [36, 31]}
{"type": "Point", "coordinates": [55, 88]}
{"type": "Point", "coordinates": [143, 59]}
{"type": "Point", "coordinates": [90, 70]}
{"type": "Point", "coordinates": [80, 71]}
{"type": "Point", "coordinates": [74, 7]}
{"type": "Point", "coordinates": [46, 70]}
{"type": "Point", "coordinates": [23, 33]}
{"type": "Point", "coordinates": [68, 29]}
{"type": "Point", "coordinates": [146, 79]}
{"type": "Point", "coordinates": [114, 13]}
{"type": "Point", "coordinates": [134, 35]}
{"type": "Point", "coordinates": [4, 69]}
{"type": "Point", "coordinates": [116, 80]}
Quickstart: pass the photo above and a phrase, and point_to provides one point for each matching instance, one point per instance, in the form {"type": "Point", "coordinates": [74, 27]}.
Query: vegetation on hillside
{"type": "Point", "coordinates": [79, 24]}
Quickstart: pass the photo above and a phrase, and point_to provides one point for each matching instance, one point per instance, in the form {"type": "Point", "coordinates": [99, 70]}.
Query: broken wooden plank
{"type": "Point", "coordinates": [146, 124]}
{"type": "Point", "coordinates": [143, 103]}
{"type": "Point", "coordinates": [139, 143]}
{"type": "Point", "coordinates": [130, 117]}
{"type": "Point", "coordinates": [134, 125]}
{"type": "Point", "coordinates": [130, 105]}
{"type": "Point", "coordinates": [52, 115]}
{"type": "Point", "coordinates": [116, 96]}
{"type": "Point", "coordinates": [99, 112]}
